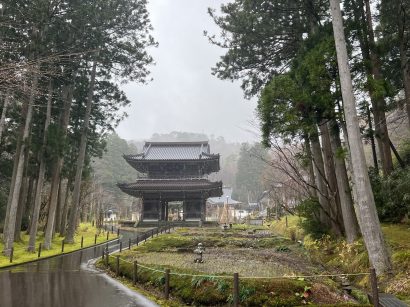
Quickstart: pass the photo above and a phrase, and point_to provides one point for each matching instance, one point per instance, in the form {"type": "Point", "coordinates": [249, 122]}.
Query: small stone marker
{"type": "Point", "coordinates": [199, 251]}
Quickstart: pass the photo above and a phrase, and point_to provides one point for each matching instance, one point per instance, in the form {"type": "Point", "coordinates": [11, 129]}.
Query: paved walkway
{"type": "Point", "coordinates": [66, 281]}
{"type": "Point", "coordinates": [388, 300]}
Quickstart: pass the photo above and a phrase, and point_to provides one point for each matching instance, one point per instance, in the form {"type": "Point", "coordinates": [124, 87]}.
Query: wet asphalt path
{"type": "Point", "coordinates": [67, 281]}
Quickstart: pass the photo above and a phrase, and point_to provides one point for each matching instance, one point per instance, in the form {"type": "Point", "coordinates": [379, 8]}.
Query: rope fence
{"type": "Point", "coordinates": [247, 277]}
{"type": "Point", "coordinates": [235, 277]}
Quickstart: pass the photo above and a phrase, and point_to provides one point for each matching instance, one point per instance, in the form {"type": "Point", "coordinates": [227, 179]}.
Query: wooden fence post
{"type": "Point", "coordinates": [82, 241]}
{"type": "Point", "coordinates": [39, 250]}
{"type": "Point", "coordinates": [112, 228]}
{"type": "Point", "coordinates": [108, 233]}
{"type": "Point", "coordinates": [118, 232]}
{"type": "Point", "coordinates": [166, 284]}
{"type": "Point", "coordinates": [120, 246]}
{"type": "Point", "coordinates": [102, 256]}
{"type": "Point", "coordinates": [375, 290]}
{"type": "Point", "coordinates": [129, 243]}
{"type": "Point", "coordinates": [11, 254]}
{"type": "Point", "coordinates": [95, 239]}
{"type": "Point", "coordinates": [118, 266]}
{"type": "Point", "coordinates": [138, 240]}
{"type": "Point", "coordinates": [134, 275]}
{"type": "Point", "coordinates": [62, 246]}
{"type": "Point", "coordinates": [235, 289]}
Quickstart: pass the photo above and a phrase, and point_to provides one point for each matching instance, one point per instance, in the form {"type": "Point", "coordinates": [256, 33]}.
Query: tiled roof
{"type": "Point", "coordinates": [174, 151]}
{"type": "Point", "coordinates": [227, 195]}
{"type": "Point", "coordinates": [222, 200]}
{"type": "Point", "coordinates": [171, 185]}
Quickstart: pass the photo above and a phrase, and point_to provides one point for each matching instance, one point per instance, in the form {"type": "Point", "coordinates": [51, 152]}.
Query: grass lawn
{"type": "Point", "coordinates": [21, 254]}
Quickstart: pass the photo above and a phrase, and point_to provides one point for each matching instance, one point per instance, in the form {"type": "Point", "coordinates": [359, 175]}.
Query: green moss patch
{"type": "Point", "coordinates": [217, 291]}
{"type": "Point", "coordinates": [21, 255]}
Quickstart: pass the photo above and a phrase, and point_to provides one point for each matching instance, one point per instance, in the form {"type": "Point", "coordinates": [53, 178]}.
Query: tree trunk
{"type": "Point", "coordinates": [30, 203]}
{"type": "Point", "coordinates": [378, 101]}
{"type": "Point", "coordinates": [59, 207]}
{"type": "Point", "coordinates": [371, 136]}
{"type": "Point", "coordinates": [3, 113]}
{"type": "Point", "coordinates": [406, 81]}
{"type": "Point", "coordinates": [53, 203]}
{"type": "Point", "coordinates": [58, 165]}
{"type": "Point", "coordinates": [20, 209]}
{"type": "Point", "coordinates": [397, 155]}
{"type": "Point", "coordinates": [15, 165]}
{"type": "Point", "coordinates": [310, 170]}
{"type": "Point", "coordinates": [404, 60]}
{"type": "Point", "coordinates": [23, 195]}
{"type": "Point", "coordinates": [11, 222]}
{"type": "Point", "coordinates": [373, 75]}
{"type": "Point", "coordinates": [346, 202]}
{"type": "Point", "coordinates": [80, 161]}
{"type": "Point", "coordinates": [40, 179]}
{"type": "Point", "coordinates": [334, 200]}
{"type": "Point", "coordinates": [63, 225]}
{"type": "Point", "coordinates": [349, 168]}
{"type": "Point", "coordinates": [366, 209]}
{"type": "Point", "coordinates": [319, 169]}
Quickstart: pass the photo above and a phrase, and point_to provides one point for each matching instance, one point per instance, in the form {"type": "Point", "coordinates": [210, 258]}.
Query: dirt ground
{"type": "Point", "coordinates": [224, 253]}
{"type": "Point", "coordinates": [245, 261]}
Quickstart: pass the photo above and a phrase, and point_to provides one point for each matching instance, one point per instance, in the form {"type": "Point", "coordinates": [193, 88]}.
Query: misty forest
{"type": "Point", "coordinates": [314, 210]}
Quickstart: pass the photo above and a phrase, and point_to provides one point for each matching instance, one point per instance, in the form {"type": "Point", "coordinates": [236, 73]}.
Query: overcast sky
{"type": "Point", "coordinates": [184, 96]}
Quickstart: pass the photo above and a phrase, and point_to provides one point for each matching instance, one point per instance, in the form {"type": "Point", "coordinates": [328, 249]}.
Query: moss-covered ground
{"type": "Point", "coordinates": [250, 251]}
{"type": "Point", "coordinates": [21, 255]}
{"type": "Point", "coordinates": [337, 255]}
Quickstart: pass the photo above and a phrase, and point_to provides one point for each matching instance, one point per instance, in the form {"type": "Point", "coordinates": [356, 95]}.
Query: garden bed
{"type": "Point", "coordinates": [255, 255]}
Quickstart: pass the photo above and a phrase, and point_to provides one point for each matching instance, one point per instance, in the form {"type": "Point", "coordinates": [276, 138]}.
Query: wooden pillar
{"type": "Point", "coordinates": [163, 211]}
{"type": "Point", "coordinates": [159, 209]}
{"type": "Point", "coordinates": [203, 206]}
{"type": "Point", "coordinates": [184, 208]}
{"type": "Point", "coordinates": [159, 206]}
{"type": "Point", "coordinates": [142, 209]}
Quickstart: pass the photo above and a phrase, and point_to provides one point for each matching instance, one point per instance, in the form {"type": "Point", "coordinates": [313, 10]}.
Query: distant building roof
{"type": "Point", "coordinates": [227, 195]}
{"type": "Point", "coordinates": [159, 151]}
